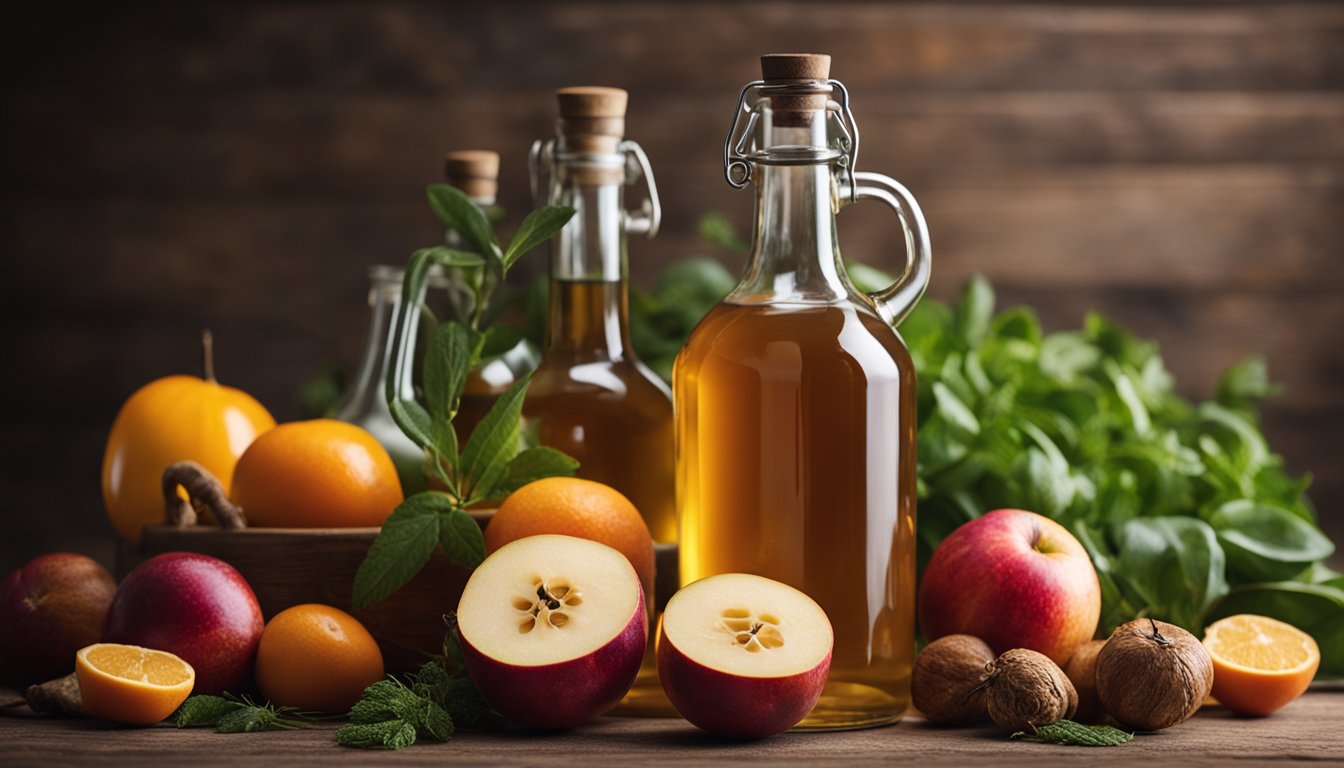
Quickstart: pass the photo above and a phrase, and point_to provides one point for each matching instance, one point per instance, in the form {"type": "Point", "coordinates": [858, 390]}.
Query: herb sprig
{"type": "Point", "coordinates": [240, 714]}
{"type": "Point", "coordinates": [431, 703]}
{"type": "Point", "coordinates": [1069, 733]}
{"type": "Point", "coordinates": [490, 465]}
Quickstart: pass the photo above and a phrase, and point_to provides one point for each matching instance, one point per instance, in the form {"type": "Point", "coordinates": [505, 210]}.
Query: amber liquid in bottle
{"type": "Point", "coordinates": [795, 446]}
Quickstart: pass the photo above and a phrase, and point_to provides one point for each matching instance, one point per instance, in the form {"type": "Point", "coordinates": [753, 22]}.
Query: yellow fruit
{"type": "Point", "coordinates": [321, 473]}
{"type": "Point", "coordinates": [176, 418]}
{"type": "Point", "coordinates": [132, 685]}
{"type": "Point", "coordinates": [316, 657]}
{"type": "Point", "coordinates": [1259, 664]}
{"type": "Point", "coordinates": [570, 506]}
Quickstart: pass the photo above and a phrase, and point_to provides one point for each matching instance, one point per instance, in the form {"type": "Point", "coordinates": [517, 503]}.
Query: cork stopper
{"type": "Point", "coordinates": [592, 120]}
{"type": "Point", "coordinates": [795, 69]}
{"type": "Point", "coordinates": [474, 171]}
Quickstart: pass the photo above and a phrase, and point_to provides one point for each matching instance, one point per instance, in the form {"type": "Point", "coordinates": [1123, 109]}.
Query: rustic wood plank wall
{"type": "Point", "coordinates": [1176, 165]}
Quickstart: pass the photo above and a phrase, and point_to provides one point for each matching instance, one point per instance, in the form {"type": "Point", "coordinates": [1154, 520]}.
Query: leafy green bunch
{"type": "Point", "coordinates": [1186, 512]}
{"type": "Point", "coordinates": [490, 465]}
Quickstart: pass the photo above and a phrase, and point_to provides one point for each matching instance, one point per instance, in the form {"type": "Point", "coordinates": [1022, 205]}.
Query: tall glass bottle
{"type": "Point", "coordinates": [796, 397]}
{"type": "Point", "coordinates": [591, 397]}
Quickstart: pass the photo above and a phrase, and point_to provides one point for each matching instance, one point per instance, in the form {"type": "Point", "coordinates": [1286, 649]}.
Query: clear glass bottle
{"type": "Point", "coordinates": [591, 397]}
{"type": "Point", "coordinates": [796, 397]}
{"type": "Point", "coordinates": [365, 404]}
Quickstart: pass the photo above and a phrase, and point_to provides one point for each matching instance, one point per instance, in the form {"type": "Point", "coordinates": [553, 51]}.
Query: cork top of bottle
{"type": "Point", "coordinates": [474, 171]}
{"type": "Point", "coordinates": [779, 68]}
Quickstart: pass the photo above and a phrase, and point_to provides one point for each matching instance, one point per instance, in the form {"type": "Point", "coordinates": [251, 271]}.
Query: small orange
{"type": "Point", "coordinates": [321, 473]}
{"type": "Point", "coordinates": [316, 657]}
{"type": "Point", "coordinates": [1259, 664]}
{"type": "Point", "coordinates": [573, 507]}
{"type": "Point", "coordinates": [132, 685]}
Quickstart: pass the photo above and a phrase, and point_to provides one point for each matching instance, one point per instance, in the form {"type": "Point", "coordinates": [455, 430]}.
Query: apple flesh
{"type": "Point", "coordinates": [195, 606]}
{"type": "Point", "coordinates": [553, 630]}
{"type": "Point", "coordinates": [1014, 579]}
{"type": "Point", "coordinates": [50, 607]}
{"type": "Point", "coordinates": [742, 655]}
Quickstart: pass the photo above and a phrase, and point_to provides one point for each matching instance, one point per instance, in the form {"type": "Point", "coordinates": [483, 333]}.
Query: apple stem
{"type": "Point", "coordinates": [208, 349]}
{"type": "Point", "coordinates": [202, 488]}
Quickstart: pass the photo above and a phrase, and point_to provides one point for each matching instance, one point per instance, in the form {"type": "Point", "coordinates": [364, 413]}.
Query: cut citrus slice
{"type": "Point", "coordinates": [132, 685]}
{"type": "Point", "coordinates": [1259, 664]}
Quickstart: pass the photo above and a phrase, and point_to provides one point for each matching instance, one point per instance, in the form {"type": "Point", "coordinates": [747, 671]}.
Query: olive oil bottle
{"type": "Point", "coordinates": [795, 397]}
{"type": "Point", "coordinates": [590, 396]}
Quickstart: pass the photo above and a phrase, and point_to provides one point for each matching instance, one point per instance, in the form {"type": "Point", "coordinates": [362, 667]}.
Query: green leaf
{"type": "Point", "coordinates": [975, 310]}
{"type": "Point", "coordinates": [1245, 383]}
{"type": "Point", "coordinates": [391, 734]}
{"type": "Point", "coordinates": [459, 213]}
{"type": "Point", "coordinates": [715, 229]}
{"type": "Point", "coordinates": [868, 279]}
{"type": "Point", "coordinates": [1069, 733]}
{"type": "Point", "coordinates": [1176, 565]}
{"type": "Point", "coordinates": [1266, 543]}
{"type": "Point", "coordinates": [536, 229]}
{"type": "Point", "coordinates": [954, 410]}
{"type": "Point", "coordinates": [500, 339]}
{"type": "Point", "coordinates": [414, 422]}
{"type": "Point", "coordinates": [493, 443]}
{"type": "Point", "coordinates": [534, 464]}
{"type": "Point", "coordinates": [402, 548]}
{"type": "Point", "coordinates": [461, 538]}
{"type": "Point", "coordinates": [449, 360]}
{"type": "Point", "coordinates": [449, 257]}
{"type": "Point", "coordinates": [246, 720]}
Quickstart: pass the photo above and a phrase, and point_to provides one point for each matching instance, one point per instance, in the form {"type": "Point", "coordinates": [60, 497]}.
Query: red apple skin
{"type": "Point", "coordinates": [50, 607]}
{"type": "Point", "coordinates": [197, 607]}
{"type": "Point", "coordinates": [557, 697]}
{"type": "Point", "coordinates": [736, 706]}
{"type": "Point", "coordinates": [1014, 579]}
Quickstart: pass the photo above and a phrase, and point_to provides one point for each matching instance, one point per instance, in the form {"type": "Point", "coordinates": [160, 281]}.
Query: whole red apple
{"type": "Point", "coordinates": [1014, 579]}
{"type": "Point", "coordinates": [195, 606]}
{"type": "Point", "coordinates": [50, 607]}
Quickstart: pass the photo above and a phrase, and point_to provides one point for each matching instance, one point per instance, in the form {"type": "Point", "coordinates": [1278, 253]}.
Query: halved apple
{"type": "Point", "coordinates": [553, 630]}
{"type": "Point", "coordinates": [742, 655]}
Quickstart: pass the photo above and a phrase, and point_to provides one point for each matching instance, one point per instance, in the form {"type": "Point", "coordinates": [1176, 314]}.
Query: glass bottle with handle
{"type": "Point", "coordinates": [591, 397]}
{"type": "Point", "coordinates": [795, 396]}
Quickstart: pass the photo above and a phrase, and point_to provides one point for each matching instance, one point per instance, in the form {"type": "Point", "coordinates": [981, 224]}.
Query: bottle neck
{"type": "Point", "coordinates": [795, 255]}
{"type": "Point", "coordinates": [367, 394]}
{"type": "Point", "coordinates": [588, 309]}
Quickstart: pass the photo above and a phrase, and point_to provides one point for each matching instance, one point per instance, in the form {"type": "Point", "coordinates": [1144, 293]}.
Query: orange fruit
{"type": "Point", "coordinates": [316, 657]}
{"type": "Point", "coordinates": [132, 685]}
{"type": "Point", "coordinates": [176, 418]}
{"type": "Point", "coordinates": [573, 507]}
{"type": "Point", "coordinates": [1259, 664]}
{"type": "Point", "coordinates": [321, 473]}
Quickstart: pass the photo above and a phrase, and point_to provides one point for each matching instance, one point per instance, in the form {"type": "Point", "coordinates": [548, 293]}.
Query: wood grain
{"type": "Point", "coordinates": [1307, 730]}
{"type": "Point", "coordinates": [1176, 165]}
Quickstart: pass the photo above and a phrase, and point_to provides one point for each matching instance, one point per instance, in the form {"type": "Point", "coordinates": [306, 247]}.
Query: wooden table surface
{"type": "Point", "coordinates": [1310, 729]}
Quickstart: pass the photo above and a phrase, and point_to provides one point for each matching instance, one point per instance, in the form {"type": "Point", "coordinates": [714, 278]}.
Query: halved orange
{"type": "Point", "coordinates": [132, 685]}
{"type": "Point", "coordinates": [1259, 664]}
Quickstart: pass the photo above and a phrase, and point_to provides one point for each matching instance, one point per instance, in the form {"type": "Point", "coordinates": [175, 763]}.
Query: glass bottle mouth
{"type": "Point", "coordinates": [803, 123]}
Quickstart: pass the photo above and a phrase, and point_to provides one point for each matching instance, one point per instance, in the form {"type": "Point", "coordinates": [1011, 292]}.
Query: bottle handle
{"type": "Point", "coordinates": [399, 390]}
{"type": "Point", "coordinates": [897, 300]}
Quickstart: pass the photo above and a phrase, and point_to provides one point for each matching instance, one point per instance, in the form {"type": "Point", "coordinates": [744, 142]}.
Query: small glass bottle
{"type": "Point", "coordinates": [476, 173]}
{"type": "Point", "coordinates": [591, 397]}
{"type": "Point", "coordinates": [796, 397]}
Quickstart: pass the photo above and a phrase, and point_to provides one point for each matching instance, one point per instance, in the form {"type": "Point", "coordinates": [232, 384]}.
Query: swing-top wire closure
{"type": "Point", "coordinates": [629, 156]}
{"type": "Point", "coordinates": [740, 153]}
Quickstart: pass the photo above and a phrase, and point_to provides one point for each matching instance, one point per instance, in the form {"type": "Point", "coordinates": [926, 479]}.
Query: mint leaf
{"type": "Point", "coordinates": [205, 710]}
{"type": "Point", "coordinates": [390, 734]}
{"type": "Point", "coordinates": [975, 310]}
{"type": "Point", "coordinates": [461, 538]}
{"type": "Point", "coordinates": [500, 339]}
{"type": "Point", "coordinates": [414, 421]}
{"type": "Point", "coordinates": [460, 214]}
{"type": "Point", "coordinates": [448, 362]}
{"type": "Point", "coordinates": [534, 464]}
{"type": "Point", "coordinates": [1069, 733]}
{"type": "Point", "coordinates": [402, 548]}
{"type": "Point", "coordinates": [493, 443]}
{"type": "Point", "coordinates": [536, 229]}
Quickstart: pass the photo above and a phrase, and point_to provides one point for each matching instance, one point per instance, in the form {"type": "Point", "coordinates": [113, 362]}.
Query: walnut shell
{"type": "Point", "coordinates": [945, 682]}
{"type": "Point", "coordinates": [1082, 672]}
{"type": "Point", "coordinates": [1027, 691]}
{"type": "Point", "coordinates": [1152, 675]}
